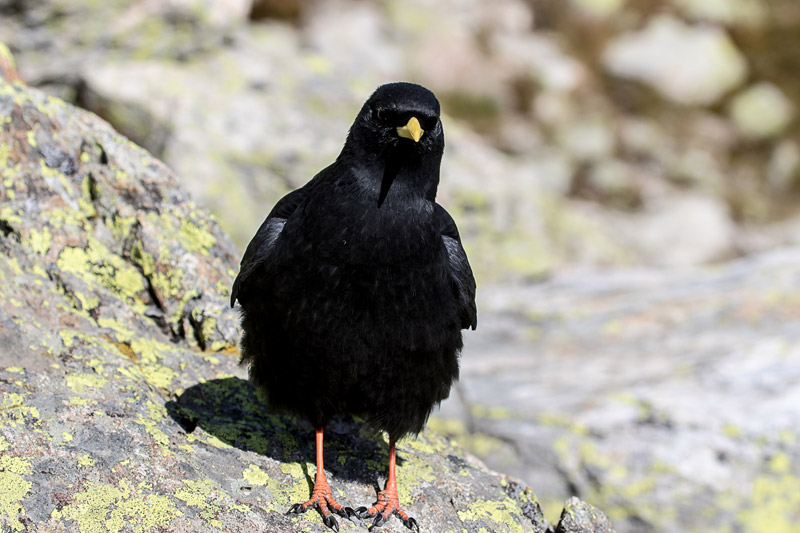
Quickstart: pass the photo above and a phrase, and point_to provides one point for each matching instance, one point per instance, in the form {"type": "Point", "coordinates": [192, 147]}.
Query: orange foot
{"type": "Point", "coordinates": [388, 504]}
{"type": "Point", "coordinates": [322, 500]}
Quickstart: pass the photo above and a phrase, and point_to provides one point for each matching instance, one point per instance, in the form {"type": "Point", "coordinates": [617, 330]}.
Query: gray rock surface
{"type": "Point", "coordinates": [688, 65]}
{"type": "Point", "coordinates": [668, 399]}
{"type": "Point", "coordinates": [580, 516]}
{"type": "Point", "coordinates": [122, 405]}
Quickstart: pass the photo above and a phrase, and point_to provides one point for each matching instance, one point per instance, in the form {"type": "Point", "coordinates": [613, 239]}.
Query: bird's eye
{"type": "Point", "coordinates": [380, 114]}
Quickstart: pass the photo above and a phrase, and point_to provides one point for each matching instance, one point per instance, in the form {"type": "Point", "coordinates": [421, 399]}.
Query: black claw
{"type": "Point", "coordinates": [330, 521]}
{"type": "Point", "coordinates": [361, 512]}
{"type": "Point", "coordinates": [349, 513]}
{"type": "Point", "coordinates": [378, 522]}
{"type": "Point", "coordinates": [297, 509]}
{"type": "Point", "coordinates": [411, 523]}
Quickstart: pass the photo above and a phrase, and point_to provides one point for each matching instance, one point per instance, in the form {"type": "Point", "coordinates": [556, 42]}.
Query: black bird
{"type": "Point", "coordinates": [355, 289]}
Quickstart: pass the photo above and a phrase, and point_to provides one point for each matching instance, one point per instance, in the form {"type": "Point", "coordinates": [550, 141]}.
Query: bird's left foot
{"type": "Point", "coordinates": [388, 504]}
{"type": "Point", "coordinates": [322, 500]}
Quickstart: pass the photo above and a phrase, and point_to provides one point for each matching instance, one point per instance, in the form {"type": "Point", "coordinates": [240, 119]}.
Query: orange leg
{"type": "Point", "coordinates": [388, 503]}
{"type": "Point", "coordinates": [321, 496]}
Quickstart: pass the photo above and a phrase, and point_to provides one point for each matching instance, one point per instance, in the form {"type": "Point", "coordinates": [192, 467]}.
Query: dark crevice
{"type": "Point", "coordinates": [197, 328]}
{"type": "Point", "coordinates": [7, 229]}
{"type": "Point", "coordinates": [103, 154]}
{"type": "Point", "coordinates": [94, 190]}
{"type": "Point", "coordinates": [55, 276]}
{"type": "Point", "coordinates": [132, 252]}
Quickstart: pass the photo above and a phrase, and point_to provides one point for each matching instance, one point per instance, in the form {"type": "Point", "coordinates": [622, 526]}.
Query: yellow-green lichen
{"type": "Point", "coordinates": [85, 200]}
{"type": "Point", "coordinates": [85, 460]}
{"type": "Point", "coordinates": [196, 494]}
{"type": "Point", "coordinates": [255, 476]}
{"type": "Point", "coordinates": [410, 473]}
{"type": "Point", "coordinates": [14, 412]}
{"type": "Point", "coordinates": [13, 264]}
{"type": "Point", "coordinates": [68, 337]}
{"type": "Point", "coordinates": [97, 265]}
{"type": "Point", "coordinates": [150, 353]}
{"type": "Point", "coordinates": [80, 401]}
{"type": "Point", "coordinates": [121, 332]}
{"type": "Point", "coordinates": [13, 488]}
{"type": "Point", "coordinates": [775, 499]}
{"type": "Point", "coordinates": [285, 494]}
{"type": "Point", "coordinates": [103, 508]}
{"type": "Point", "coordinates": [40, 240]}
{"type": "Point", "coordinates": [503, 512]}
{"type": "Point", "coordinates": [194, 238]}
{"type": "Point", "coordinates": [79, 383]}
{"type": "Point", "coordinates": [145, 260]}
{"type": "Point", "coordinates": [5, 55]}
{"type": "Point", "coordinates": [156, 412]}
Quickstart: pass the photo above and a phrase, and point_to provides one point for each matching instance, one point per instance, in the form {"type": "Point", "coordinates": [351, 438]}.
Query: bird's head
{"type": "Point", "coordinates": [400, 129]}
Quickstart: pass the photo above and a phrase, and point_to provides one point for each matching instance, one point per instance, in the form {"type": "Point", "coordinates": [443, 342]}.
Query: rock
{"type": "Point", "coordinates": [679, 408]}
{"type": "Point", "coordinates": [530, 56]}
{"type": "Point", "coordinates": [580, 516]}
{"type": "Point", "coordinates": [614, 182]}
{"type": "Point", "coordinates": [587, 139]}
{"type": "Point", "coordinates": [680, 230]}
{"type": "Point", "coordinates": [686, 64]}
{"type": "Point", "coordinates": [247, 137]}
{"type": "Point", "coordinates": [82, 33]}
{"type": "Point", "coordinates": [122, 404]}
{"type": "Point", "coordinates": [761, 111]}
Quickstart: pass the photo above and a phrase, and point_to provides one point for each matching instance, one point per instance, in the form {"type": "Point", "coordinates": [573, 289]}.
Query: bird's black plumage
{"type": "Point", "coordinates": [356, 287]}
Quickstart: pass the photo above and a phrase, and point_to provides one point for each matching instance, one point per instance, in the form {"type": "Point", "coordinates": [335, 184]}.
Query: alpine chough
{"type": "Point", "coordinates": [355, 289]}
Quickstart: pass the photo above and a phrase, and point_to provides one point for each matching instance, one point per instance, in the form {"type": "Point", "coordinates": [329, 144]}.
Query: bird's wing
{"type": "Point", "coordinates": [263, 243]}
{"type": "Point", "coordinates": [460, 270]}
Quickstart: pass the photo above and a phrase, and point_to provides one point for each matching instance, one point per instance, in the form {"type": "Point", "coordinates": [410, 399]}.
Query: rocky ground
{"type": "Point", "coordinates": [682, 418]}
{"type": "Point", "coordinates": [600, 154]}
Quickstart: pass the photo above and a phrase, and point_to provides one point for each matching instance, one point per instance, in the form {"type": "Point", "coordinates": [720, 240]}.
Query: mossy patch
{"type": "Point", "coordinates": [775, 499]}
{"type": "Point", "coordinates": [96, 265]}
{"type": "Point", "coordinates": [81, 383]}
{"type": "Point", "coordinates": [13, 487]}
{"type": "Point", "coordinates": [14, 411]}
{"type": "Point", "coordinates": [197, 494]}
{"type": "Point", "coordinates": [505, 513]}
{"type": "Point", "coordinates": [195, 238]}
{"type": "Point", "coordinates": [103, 508]}
{"type": "Point", "coordinates": [40, 240]}
{"type": "Point", "coordinates": [255, 476]}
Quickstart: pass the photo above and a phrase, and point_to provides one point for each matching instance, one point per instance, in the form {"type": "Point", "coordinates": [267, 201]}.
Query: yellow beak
{"type": "Point", "coordinates": [412, 130]}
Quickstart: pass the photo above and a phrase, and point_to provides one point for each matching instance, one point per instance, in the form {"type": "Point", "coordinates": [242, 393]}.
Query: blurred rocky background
{"type": "Point", "coordinates": [601, 155]}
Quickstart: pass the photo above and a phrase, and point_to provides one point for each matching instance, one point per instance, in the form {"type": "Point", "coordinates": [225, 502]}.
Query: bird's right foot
{"type": "Point", "coordinates": [322, 500]}
{"type": "Point", "coordinates": [388, 504]}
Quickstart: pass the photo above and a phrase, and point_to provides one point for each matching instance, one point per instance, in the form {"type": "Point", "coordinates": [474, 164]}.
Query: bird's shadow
{"type": "Point", "coordinates": [231, 410]}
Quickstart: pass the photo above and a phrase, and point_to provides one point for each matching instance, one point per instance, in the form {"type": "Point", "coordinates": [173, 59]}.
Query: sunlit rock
{"type": "Point", "coordinates": [686, 64]}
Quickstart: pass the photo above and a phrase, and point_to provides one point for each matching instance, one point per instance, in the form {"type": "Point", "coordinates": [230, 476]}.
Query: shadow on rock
{"type": "Point", "coordinates": [231, 410]}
